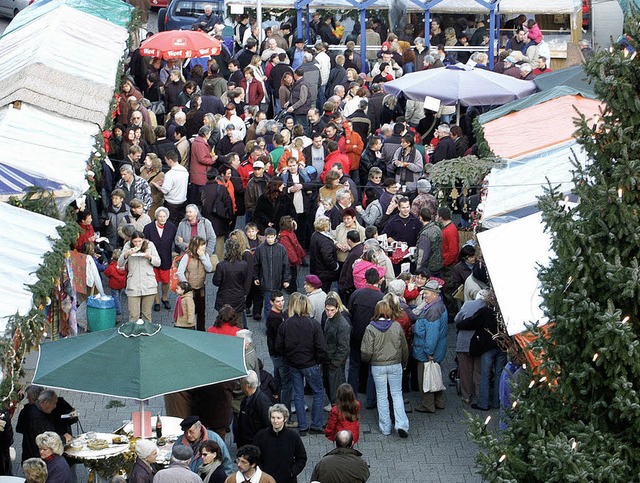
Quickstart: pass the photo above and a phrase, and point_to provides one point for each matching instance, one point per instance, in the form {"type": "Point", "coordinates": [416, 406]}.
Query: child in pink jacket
{"type": "Point", "coordinates": [534, 32]}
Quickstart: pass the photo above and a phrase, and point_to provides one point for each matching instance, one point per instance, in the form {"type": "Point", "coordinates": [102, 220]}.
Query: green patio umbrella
{"type": "Point", "coordinates": [140, 360]}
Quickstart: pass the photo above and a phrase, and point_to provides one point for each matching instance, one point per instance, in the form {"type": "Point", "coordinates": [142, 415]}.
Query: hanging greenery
{"type": "Point", "coordinates": [464, 172]}
{"type": "Point", "coordinates": [24, 332]}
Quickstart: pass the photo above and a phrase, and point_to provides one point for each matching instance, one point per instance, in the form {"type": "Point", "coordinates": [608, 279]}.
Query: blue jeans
{"type": "Point", "coordinates": [491, 363]}
{"type": "Point", "coordinates": [267, 304]}
{"type": "Point", "coordinates": [353, 376]}
{"type": "Point", "coordinates": [314, 378]}
{"type": "Point", "coordinates": [282, 376]}
{"type": "Point", "coordinates": [116, 298]}
{"type": "Point", "coordinates": [392, 376]}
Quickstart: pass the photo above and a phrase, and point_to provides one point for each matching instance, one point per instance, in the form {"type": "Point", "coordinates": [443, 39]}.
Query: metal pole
{"type": "Point", "coordinates": [259, 15]}
{"type": "Point", "coordinates": [363, 41]}
{"type": "Point", "coordinates": [492, 35]}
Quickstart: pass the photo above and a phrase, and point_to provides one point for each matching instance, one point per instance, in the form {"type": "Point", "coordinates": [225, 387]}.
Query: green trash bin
{"type": "Point", "coordinates": [101, 313]}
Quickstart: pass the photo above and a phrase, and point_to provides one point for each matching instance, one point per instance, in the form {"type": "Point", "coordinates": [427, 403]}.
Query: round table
{"type": "Point", "coordinates": [103, 463]}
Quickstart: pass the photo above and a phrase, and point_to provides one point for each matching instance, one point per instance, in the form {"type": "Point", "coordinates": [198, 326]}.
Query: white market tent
{"type": "Point", "coordinates": [20, 257]}
{"type": "Point", "coordinates": [445, 6]}
{"type": "Point", "coordinates": [537, 152]}
{"type": "Point", "coordinates": [65, 61]}
{"type": "Point", "coordinates": [40, 148]}
{"type": "Point", "coordinates": [513, 253]}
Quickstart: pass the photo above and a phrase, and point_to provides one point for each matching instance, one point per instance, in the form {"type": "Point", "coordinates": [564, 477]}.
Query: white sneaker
{"type": "Point", "coordinates": [327, 408]}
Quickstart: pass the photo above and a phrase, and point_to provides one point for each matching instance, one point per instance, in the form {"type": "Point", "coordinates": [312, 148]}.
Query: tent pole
{"type": "Point", "coordinates": [363, 40]}
{"type": "Point", "coordinates": [458, 113]}
{"type": "Point", "coordinates": [492, 35]}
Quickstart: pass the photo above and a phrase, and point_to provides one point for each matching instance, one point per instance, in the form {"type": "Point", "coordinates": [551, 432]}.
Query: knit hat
{"type": "Point", "coordinates": [313, 280]}
{"type": "Point", "coordinates": [144, 448]}
{"type": "Point", "coordinates": [423, 186]}
{"type": "Point", "coordinates": [397, 287]}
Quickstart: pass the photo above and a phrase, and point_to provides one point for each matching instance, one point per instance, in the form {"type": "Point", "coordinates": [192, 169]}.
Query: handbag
{"type": "Point", "coordinates": [459, 293]}
{"type": "Point", "coordinates": [398, 255]}
{"type": "Point", "coordinates": [432, 377]}
{"type": "Point", "coordinates": [158, 108]}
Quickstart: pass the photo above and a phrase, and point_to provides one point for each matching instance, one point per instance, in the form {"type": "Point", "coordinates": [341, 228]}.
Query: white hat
{"type": "Point", "coordinates": [144, 448]}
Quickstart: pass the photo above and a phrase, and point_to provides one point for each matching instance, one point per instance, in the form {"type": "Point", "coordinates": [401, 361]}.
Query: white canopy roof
{"type": "Point", "coordinates": [519, 184]}
{"type": "Point", "coordinates": [43, 149]}
{"type": "Point", "coordinates": [510, 7]}
{"type": "Point", "coordinates": [65, 61]}
{"type": "Point", "coordinates": [21, 255]}
{"type": "Point", "coordinates": [513, 252]}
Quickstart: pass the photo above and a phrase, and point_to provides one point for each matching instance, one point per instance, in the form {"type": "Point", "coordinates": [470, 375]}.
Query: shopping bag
{"type": "Point", "coordinates": [432, 377]}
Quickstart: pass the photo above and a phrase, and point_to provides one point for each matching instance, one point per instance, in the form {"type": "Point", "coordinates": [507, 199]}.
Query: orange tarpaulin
{"type": "Point", "coordinates": [538, 127]}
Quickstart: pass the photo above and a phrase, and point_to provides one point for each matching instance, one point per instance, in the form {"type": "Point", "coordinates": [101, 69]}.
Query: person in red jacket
{"type": "Point", "coordinates": [117, 279]}
{"type": "Point", "coordinates": [201, 161]}
{"type": "Point", "coordinates": [335, 156]}
{"type": "Point", "coordinates": [345, 414]}
{"type": "Point", "coordinates": [295, 252]}
{"type": "Point", "coordinates": [254, 93]}
{"type": "Point", "coordinates": [87, 233]}
{"type": "Point", "coordinates": [352, 145]}
{"type": "Point", "coordinates": [450, 250]}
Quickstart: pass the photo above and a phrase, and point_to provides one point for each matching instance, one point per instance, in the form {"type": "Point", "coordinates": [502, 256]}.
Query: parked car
{"type": "Point", "coordinates": [182, 14]}
{"type": "Point", "coordinates": [10, 8]}
{"type": "Point", "coordinates": [158, 4]}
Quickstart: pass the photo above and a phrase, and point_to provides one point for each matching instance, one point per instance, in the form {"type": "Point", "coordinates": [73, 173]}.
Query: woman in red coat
{"type": "Point", "coordinates": [345, 414]}
{"type": "Point", "coordinates": [253, 91]}
{"type": "Point", "coordinates": [295, 252]}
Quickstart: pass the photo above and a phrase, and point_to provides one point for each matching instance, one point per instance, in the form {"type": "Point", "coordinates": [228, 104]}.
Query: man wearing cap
{"type": "Point", "coordinates": [510, 67]}
{"type": "Point", "coordinates": [255, 187]}
{"type": "Point", "coordinates": [430, 341]}
{"type": "Point", "coordinates": [195, 434]}
{"type": "Point", "coordinates": [143, 471]}
{"type": "Point", "coordinates": [178, 471]}
{"type": "Point", "coordinates": [296, 54]}
{"type": "Point", "coordinates": [424, 199]}
{"type": "Point", "coordinates": [317, 296]}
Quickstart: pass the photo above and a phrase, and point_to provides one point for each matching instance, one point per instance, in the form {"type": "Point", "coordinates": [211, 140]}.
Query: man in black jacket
{"type": "Point", "coordinates": [254, 410]}
{"type": "Point", "coordinates": [302, 343]}
{"type": "Point", "coordinates": [361, 307]}
{"type": "Point", "coordinates": [446, 148]}
{"type": "Point", "coordinates": [325, 31]}
{"type": "Point", "coordinates": [270, 268]}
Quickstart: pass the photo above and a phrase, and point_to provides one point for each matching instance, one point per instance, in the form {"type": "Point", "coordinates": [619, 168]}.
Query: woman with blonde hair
{"type": "Point", "coordinates": [51, 449]}
{"type": "Point", "coordinates": [331, 187]}
{"type": "Point", "coordinates": [301, 342]}
{"type": "Point", "coordinates": [35, 470]}
{"type": "Point", "coordinates": [152, 171]}
{"type": "Point", "coordinates": [385, 347]}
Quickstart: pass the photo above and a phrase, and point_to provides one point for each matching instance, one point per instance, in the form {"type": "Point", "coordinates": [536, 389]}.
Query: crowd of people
{"type": "Point", "coordinates": [255, 166]}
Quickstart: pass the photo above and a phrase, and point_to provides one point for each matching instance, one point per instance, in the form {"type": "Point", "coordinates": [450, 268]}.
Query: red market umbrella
{"type": "Point", "coordinates": [180, 44]}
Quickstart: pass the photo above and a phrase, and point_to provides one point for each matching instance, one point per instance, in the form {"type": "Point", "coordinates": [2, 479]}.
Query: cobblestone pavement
{"type": "Point", "coordinates": [438, 448]}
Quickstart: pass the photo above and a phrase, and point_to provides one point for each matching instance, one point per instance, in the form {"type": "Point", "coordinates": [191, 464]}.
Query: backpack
{"type": "Point", "coordinates": [173, 272]}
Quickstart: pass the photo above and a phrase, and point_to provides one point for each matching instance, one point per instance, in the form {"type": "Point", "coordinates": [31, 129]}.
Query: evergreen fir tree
{"type": "Point", "coordinates": [578, 417]}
